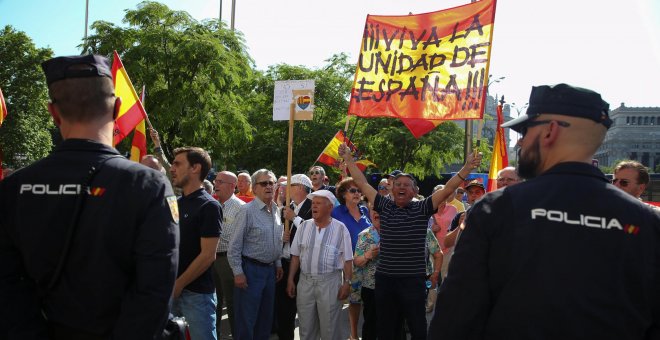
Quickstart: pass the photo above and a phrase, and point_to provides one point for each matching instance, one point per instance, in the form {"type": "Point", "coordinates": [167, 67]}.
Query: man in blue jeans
{"type": "Point", "coordinates": [254, 255]}
{"type": "Point", "coordinates": [200, 219]}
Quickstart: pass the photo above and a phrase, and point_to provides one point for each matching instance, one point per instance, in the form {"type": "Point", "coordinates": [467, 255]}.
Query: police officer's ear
{"type": "Point", "coordinates": [55, 113]}
{"type": "Point", "coordinates": [550, 133]}
{"type": "Point", "coordinates": [115, 112]}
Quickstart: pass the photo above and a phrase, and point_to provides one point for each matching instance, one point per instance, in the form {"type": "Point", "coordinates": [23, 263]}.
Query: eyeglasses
{"type": "Point", "coordinates": [506, 179]}
{"type": "Point", "coordinates": [315, 172]}
{"type": "Point", "coordinates": [623, 182]}
{"type": "Point", "coordinates": [533, 123]}
{"type": "Point", "coordinates": [221, 182]}
{"type": "Point", "coordinates": [354, 190]}
{"type": "Point", "coordinates": [460, 192]}
{"type": "Point", "coordinates": [266, 183]}
{"type": "Point", "coordinates": [380, 187]}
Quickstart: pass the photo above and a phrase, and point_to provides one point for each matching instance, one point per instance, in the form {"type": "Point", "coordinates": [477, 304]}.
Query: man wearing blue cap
{"type": "Point", "coordinates": [89, 240]}
{"type": "Point", "coordinates": [563, 255]}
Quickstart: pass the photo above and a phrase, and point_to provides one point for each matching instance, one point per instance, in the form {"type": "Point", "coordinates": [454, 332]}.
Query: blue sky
{"type": "Point", "coordinates": [611, 47]}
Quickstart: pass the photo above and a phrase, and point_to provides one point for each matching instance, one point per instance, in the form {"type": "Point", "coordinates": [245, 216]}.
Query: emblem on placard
{"type": "Point", "coordinates": [303, 102]}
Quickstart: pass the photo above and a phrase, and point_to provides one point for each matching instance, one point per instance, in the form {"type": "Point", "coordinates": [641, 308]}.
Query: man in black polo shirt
{"type": "Point", "coordinates": [200, 224]}
{"type": "Point", "coordinates": [400, 289]}
{"type": "Point", "coordinates": [563, 255]}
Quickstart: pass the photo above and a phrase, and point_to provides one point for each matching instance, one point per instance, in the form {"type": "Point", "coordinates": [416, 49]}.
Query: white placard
{"type": "Point", "coordinates": [283, 96]}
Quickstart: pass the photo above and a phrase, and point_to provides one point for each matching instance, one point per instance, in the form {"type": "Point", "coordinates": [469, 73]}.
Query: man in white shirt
{"type": "Point", "coordinates": [225, 185]}
{"type": "Point", "coordinates": [322, 250]}
{"type": "Point", "coordinates": [299, 211]}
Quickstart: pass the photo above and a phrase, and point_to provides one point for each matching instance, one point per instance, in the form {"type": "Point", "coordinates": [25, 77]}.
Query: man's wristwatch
{"type": "Point", "coordinates": [347, 281]}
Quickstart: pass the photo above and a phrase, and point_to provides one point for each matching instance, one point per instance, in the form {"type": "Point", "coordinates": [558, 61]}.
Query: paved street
{"type": "Point", "coordinates": [343, 324]}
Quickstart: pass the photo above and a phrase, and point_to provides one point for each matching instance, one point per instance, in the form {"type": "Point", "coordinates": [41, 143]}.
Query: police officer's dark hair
{"type": "Point", "coordinates": [196, 155]}
{"type": "Point", "coordinates": [642, 171]}
{"type": "Point", "coordinates": [83, 99]}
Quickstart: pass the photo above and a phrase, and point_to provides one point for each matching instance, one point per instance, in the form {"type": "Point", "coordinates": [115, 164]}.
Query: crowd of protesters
{"type": "Point", "coordinates": [113, 251]}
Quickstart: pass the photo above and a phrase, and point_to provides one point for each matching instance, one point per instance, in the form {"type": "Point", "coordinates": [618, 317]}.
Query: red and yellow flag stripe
{"type": "Point", "coordinates": [3, 109]}
{"type": "Point", "coordinates": [131, 111]}
{"type": "Point", "coordinates": [500, 158]}
{"type": "Point", "coordinates": [330, 155]}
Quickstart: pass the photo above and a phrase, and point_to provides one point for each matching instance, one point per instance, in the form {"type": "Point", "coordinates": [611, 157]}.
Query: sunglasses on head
{"type": "Point", "coordinates": [623, 182]}
{"type": "Point", "coordinates": [533, 123]}
{"type": "Point", "coordinates": [354, 190]}
{"type": "Point", "coordinates": [266, 183]}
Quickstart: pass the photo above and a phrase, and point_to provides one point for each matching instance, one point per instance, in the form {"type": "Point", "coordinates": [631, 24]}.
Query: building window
{"type": "Point", "coordinates": [633, 120]}
{"type": "Point", "coordinates": [645, 158]}
{"type": "Point", "coordinates": [646, 120]}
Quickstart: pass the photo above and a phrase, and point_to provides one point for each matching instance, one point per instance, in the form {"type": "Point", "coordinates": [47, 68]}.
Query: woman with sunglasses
{"type": "Point", "coordinates": [356, 218]}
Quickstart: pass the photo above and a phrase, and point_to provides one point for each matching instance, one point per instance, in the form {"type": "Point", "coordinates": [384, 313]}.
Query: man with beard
{"type": "Point", "coordinates": [562, 255]}
{"type": "Point", "coordinates": [201, 223]}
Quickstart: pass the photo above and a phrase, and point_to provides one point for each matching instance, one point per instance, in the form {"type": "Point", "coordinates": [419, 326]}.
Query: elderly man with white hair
{"type": "Point", "coordinates": [322, 250]}
{"type": "Point", "coordinates": [507, 176]}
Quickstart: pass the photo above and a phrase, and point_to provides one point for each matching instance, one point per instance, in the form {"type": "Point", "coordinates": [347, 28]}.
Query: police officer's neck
{"type": "Point", "coordinates": [99, 131]}
{"type": "Point", "coordinates": [553, 159]}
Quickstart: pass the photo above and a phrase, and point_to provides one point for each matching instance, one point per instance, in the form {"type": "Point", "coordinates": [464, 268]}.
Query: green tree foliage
{"type": "Point", "coordinates": [268, 147]}
{"type": "Point", "coordinates": [391, 146]}
{"type": "Point", "coordinates": [202, 90]}
{"type": "Point", "coordinates": [195, 73]}
{"type": "Point", "coordinates": [25, 136]}
{"type": "Point", "coordinates": [387, 142]}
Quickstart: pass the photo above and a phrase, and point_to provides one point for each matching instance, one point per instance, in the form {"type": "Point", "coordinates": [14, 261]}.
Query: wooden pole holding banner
{"type": "Point", "coordinates": [289, 165]}
{"type": "Point", "coordinates": [146, 116]}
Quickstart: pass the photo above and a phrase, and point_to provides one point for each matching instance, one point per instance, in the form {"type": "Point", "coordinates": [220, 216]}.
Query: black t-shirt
{"type": "Point", "coordinates": [200, 216]}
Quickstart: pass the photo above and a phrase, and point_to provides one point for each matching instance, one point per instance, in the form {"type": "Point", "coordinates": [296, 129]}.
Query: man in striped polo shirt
{"type": "Point", "coordinates": [322, 250]}
{"type": "Point", "coordinates": [400, 275]}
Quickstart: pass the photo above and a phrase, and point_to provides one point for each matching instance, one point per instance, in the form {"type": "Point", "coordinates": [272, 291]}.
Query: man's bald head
{"type": "Point", "coordinates": [152, 162]}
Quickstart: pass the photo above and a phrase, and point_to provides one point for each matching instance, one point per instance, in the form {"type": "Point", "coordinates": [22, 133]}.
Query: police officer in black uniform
{"type": "Point", "coordinates": [108, 224]}
{"type": "Point", "coordinates": [564, 255]}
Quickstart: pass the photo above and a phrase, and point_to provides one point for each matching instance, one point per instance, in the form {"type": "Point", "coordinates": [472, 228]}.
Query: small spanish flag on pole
{"type": "Point", "coordinates": [330, 155]}
{"type": "Point", "coordinates": [500, 158]}
{"type": "Point", "coordinates": [131, 111]}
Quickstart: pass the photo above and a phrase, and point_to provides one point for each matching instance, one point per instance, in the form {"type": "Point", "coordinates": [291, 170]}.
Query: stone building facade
{"type": "Point", "coordinates": [634, 135]}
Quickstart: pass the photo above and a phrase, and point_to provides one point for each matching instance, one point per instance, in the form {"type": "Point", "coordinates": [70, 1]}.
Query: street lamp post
{"type": "Point", "coordinates": [518, 109]}
{"type": "Point", "coordinates": [468, 122]}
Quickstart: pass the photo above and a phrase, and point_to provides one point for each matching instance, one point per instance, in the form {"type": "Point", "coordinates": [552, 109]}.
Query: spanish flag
{"type": "Point", "coordinates": [3, 108]}
{"type": "Point", "coordinates": [131, 111]}
{"type": "Point", "coordinates": [139, 143]}
{"type": "Point", "coordinates": [425, 68]}
{"type": "Point", "coordinates": [3, 115]}
{"type": "Point", "coordinates": [500, 159]}
{"type": "Point", "coordinates": [330, 155]}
